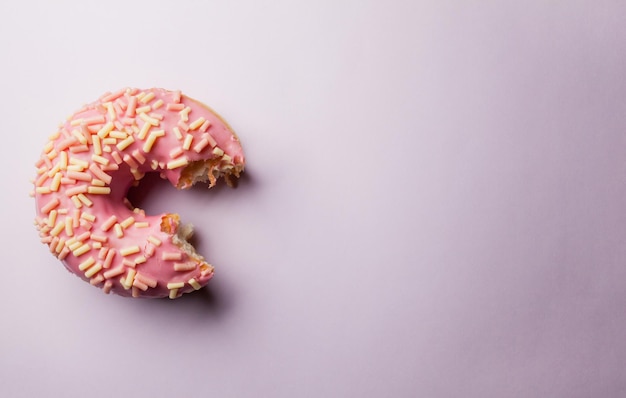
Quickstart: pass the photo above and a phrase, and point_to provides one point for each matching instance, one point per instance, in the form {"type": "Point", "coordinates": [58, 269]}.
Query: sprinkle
{"type": "Point", "coordinates": [144, 109]}
{"type": "Point", "coordinates": [69, 226]}
{"type": "Point", "coordinates": [144, 131]}
{"type": "Point", "coordinates": [125, 143]}
{"type": "Point", "coordinates": [210, 138]}
{"type": "Point", "coordinates": [108, 223]}
{"type": "Point", "coordinates": [77, 203]}
{"type": "Point", "coordinates": [97, 280]}
{"type": "Point", "coordinates": [174, 164]}
{"type": "Point", "coordinates": [126, 262]}
{"type": "Point", "coordinates": [82, 237]}
{"type": "Point", "coordinates": [149, 251]}
{"type": "Point", "coordinates": [194, 283]}
{"type": "Point", "coordinates": [63, 161]}
{"type": "Point", "coordinates": [128, 222]}
{"type": "Point", "coordinates": [205, 126]}
{"type": "Point", "coordinates": [68, 181]}
{"type": "Point", "coordinates": [97, 146]}
{"type": "Point", "coordinates": [176, 152]}
{"type": "Point", "coordinates": [86, 264]}
{"type": "Point", "coordinates": [97, 183]}
{"type": "Point", "coordinates": [155, 115]}
{"type": "Point", "coordinates": [197, 123]}
{"type": "Point", "coordinates": [79, 148]}
{"type": "Point", "coordinates": [88, 216]}
{"type": "Point", "coordinates": [85, 200]}
{"type": "Point", "coordinates": [68, 142]}
{"type": "Point", "coordinates": [100, 159]}
{"type": "Point", "coordinates": [175, 107]}
{"type": "Point", "coordinates": [173, 293]}
{"type": "Point", "coordinates": [137, 174]}
{"type": "Point", "coordinates": [154, 241]}
{"type": "Point", "coordinates": [87, 225]}
{"type": "Point", "coordinates": [130, 277]}
{"type": "Point", "coordinates": [79, 175]}
{"type": "Point", "coordinates": [187, 142]}
{"type": "Point", "coordinates": [54, 203]}
{"type": "Point", "coordinates": [109, 258]}
{"type": "Point", "coordinates": [175, 285]}
{"type": "Point", "coordinates": [137, 155]}
{"type": "Point", "coordinates": [218, 151]}
{"type": "Point", "coordinates": [42, 190]}
{"type": "Point", "coordinates": [64, 252]}
{"type": "Point", "coordinates": [105, 130]}
{"type": "Point", "coordinates": [60, 226]}
{"type": "Point", "coordinates": [97, 171]}
{"type": "Point", "coordinates": [113, 96]}
{"type": "Point", "coordinates": [146, 279]}
{"type": "Point", "coordinates": [177, 133]}
{"type": "Point", "coordinates": [43, 179]}
{"type": "Point", "coordinates": [157, 104]}
{"type": "Point", "coordinates": [127, 251]}
{"type": "Point", "coordinates": [93, 270]}
{"type": "Point", "coordinates": [60, 245]}
{"type": "Point", "coordinates": [108, 141]}
{"type": "Point", "coordinates": [79, 162]}
{"type": "Point", "coordinates": [75, 218]}
{"type": "Point", "coordinates": [140, 260]}
{"type": "Point", "coordinates": [142, 224]}
{"type": "Point", "coordinates": [140, 285]}
{"type": "Point", "coordinates": [183, 267]}
{"type": "Point", "coordinates": [114, 272]}
{"type": "Point", "coordinates": [147, 98]}
{"type": "Point", "coordinates": [130, 161]}
{"type": "Point", "coordinates": [118, 231]}
{"type": "Point", "coordinates": [52, 218]}
{"type": "Point", "coordinates": [99, 190]}
{"type": "Point", "coordinates": [118, 135]}
{"type": "Point", "coordinates": [99, 238]}
{"type": "Point", "coordinates": [132, 105]}
{"type": "Point", "coordinates": [116, 156]}
{"type": "Point", "coordinates": [94, 120]}
{"type": "Point", "coordinates": [201, 145]}
{"type": "Point", "coordinates": [176, 96]}
{"type": "Point", "coordinates": [172, 256]}
{"type": "Point", "coordinates": [111, 110]}
{"type": "Point", "coordinates": [184, 114]}
{"type": "Point", "coordinates": [95, 245]}
{"type": "Point", "coordinates": [107, 287]}
{"type": "Point", "coordinates": [183, 126]}
{"type": "Point", "coordinates": [81, 250]}
{"type": "Point", "coordinates": [103, 252]}
{"type": "Point", "coordinates": [148, 119]}
{"type": "Point", "coordinates": [79, 136]}
{"type": "Point", "coordinates": [147, 147]}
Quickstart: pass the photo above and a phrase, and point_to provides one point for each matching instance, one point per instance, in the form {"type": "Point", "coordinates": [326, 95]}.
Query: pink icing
{"type": "Point", "coordinates": [91, 137]}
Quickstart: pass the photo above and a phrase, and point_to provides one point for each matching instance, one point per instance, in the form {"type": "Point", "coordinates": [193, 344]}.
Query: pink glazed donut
{"type": "Point", "coordinates": [87, 168]}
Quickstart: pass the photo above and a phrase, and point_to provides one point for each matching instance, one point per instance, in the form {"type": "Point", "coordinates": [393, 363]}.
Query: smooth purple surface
{"type": "Point", "coordinates": [434, 203]}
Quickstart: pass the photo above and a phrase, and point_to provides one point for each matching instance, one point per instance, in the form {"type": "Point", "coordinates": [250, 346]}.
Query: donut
{"type": "Point", "coordinates": [87, 167]}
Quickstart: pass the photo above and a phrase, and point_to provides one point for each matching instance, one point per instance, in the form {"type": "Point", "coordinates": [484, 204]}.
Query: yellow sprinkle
{"type": "Point", "coordinates": [98, 183]}
{"type": "Point", "coordinates": [63, 161]}
{"type": "Point", "coordinates": [86, 264]}
{"type": "Point", "coordinates": [79, 162]}
{"type": "Point", "coordinates": [173, 293]}
{"type": "Point", "coordinates": [76, 122]}
{"type": "Point", "coordinates": [196, 123]}
{"type": "Point", "coordinates": [127, 251]}
{"type": "Point", "coordinates": [85, 200]}
{"type": "Point", "coordinates": [118, 231]}
{"type": "Point", "coordinates": [97, 146]}
{"type": "Point", "coordinates": [109, 141]}
{"type": "Point", "coordinates": [88, 216]}
{"type": "Point", "coordinates": [125, 143]}
{"type": "Point", "coordinates": [56, 182]}
{"type": "Point", "coordinates": [187, 142]}
{"type": "Point", "coordinates": [142, 224]}
{"type": "Point", "coordinates": [175, 285]}
{"type": "Point", "coordinates": [140, 260]}
{"type": "Point", "coordinates": [194, 283]}
{"type": "Point", "coordinates": [81, 138]}
{"type": "Point", "coordinates": [130, 277]}
{"type": "Point", "coordinates": [69, 226]}
{"type": "Point", "coordinates": [128, 222]}
{"type": "Point", "coordinates": [81, 250]}
{"type": "Point", "coordinates": [105, 130]}
{"type": "Point", "coordinates": [174, 164]}
{"type": "Point", "coordinates": [218, 151]}
{"type": "Point", "coordinates": [177, 133]}
{"type": "Point", "coordinates": [144, 131]}
{"type": "Point", "coordinates": [118, 135]}
{"type": "Point", "coordinates": [110, 110]}
{"type": "Point", "coordinates": [98, 190]}
{"type": "Point", "coordinates": [148, 119]}
{"type": "Point", "coordinates": [147, 98]}
{"type": "Point", "coordinates": [52, 218]}
{"type": "Point", "coordinates": [154, 240]}
{"type": "Point", "coordinates": [157, 104]}
{"type": "Point", "coordinates": [58, 228]}
{"type": "Point", "coordinates": [42, 190]}
{"type": "Point", "coordinates": [77, 203]}
{"type": "Point", "coordinates": [100, 159]}
{"type": "Point", "coordinates": [93, 270]}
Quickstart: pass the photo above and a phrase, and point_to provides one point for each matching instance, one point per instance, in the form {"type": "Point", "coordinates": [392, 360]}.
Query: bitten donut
{"type": "Point", "coordinates": [87, 168]}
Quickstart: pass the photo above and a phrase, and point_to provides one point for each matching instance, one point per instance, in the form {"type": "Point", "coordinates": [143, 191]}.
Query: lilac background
{"type": "Point", "coordinates": [434, 203]}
